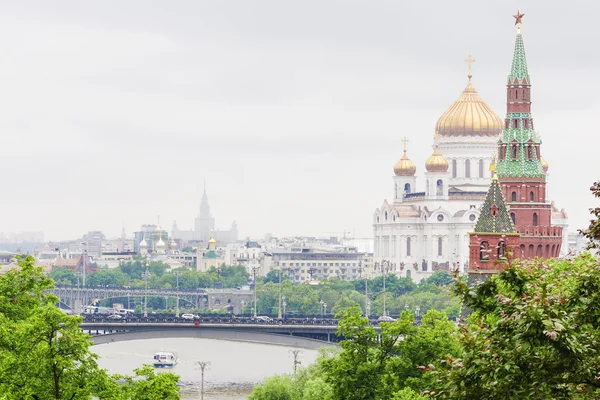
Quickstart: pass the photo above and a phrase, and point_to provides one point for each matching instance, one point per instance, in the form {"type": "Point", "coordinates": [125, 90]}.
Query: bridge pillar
{"type": "Point", "coordinates": [77, 306]}
{"type": "Point", "coordinates": [328, 337]}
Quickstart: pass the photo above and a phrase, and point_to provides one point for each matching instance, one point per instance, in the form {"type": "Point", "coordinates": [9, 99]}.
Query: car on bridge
{"type": "Point", "coordinates": [264, 319]}
{"type": "Point", "coordinates": [189, 317]}
{"type": "Point", "coordinates": [115, 316]}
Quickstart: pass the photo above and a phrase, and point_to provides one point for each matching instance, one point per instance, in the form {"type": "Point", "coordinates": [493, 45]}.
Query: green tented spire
{"type": "Point", "coordinates": [494, 217]}
{"type": "Point", "coordinates": [519, 64]}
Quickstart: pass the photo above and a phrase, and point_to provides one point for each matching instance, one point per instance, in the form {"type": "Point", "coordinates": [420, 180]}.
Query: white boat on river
{"type": "Point", "coordinates": [165, 359]}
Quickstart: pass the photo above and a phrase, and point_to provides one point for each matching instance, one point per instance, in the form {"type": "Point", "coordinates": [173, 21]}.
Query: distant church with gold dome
{"type": "Point", "coordinates": [426, 227]}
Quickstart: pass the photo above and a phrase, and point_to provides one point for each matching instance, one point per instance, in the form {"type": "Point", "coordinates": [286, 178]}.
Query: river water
{"type": "Point", "coordinates": [235, 367]}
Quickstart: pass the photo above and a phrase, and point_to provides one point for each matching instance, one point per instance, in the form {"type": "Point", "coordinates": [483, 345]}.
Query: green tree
{"type": "Point", "coordinates": [592, 233]}
{"type": "Point", "coordinates": [277, 387]}
{"type": "Point", "coordinates": [149, 385]}
{"type": "Point", "coordinates": [376, 365]}
{"type": "Point", "coordinates": [533, 334]}
{"type": "Point", "coordinates": [438, 278]}
{"type": "Point", "coordinates": [63, 276]}
{"type": "Point", "coordinates": [43, 352]}
{"type": "Point", "coordinates": [108, 277]}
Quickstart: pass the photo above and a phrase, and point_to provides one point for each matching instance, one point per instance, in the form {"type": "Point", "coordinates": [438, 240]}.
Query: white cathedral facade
{"type": "Point", "coordinates": [426, 226]}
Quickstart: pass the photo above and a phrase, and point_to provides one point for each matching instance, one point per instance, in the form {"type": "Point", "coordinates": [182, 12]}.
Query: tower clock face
{"type": "Point", "coordinates": [440, 217]}
{"type": "Point", "coordinates": [472, 217]}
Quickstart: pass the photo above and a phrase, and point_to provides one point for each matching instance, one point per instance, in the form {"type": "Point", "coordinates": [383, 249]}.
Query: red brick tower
{"type": "Point", "coordinates": [494, 237]}
{"type": "Point", "coordinates": [520, 171]}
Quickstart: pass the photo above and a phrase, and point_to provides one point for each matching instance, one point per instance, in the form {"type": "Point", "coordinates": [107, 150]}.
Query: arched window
{"type": "Point", "coordinates": [467, 168]}
{"type": "Point", "coordinates": [522, 248]}
{"type": "Point", "coordinates": [516, 94]}
{"type": "Point", "coordinates": [386, 216]}
{"type": "Point", "coordinates": [481, 168]}
{"type": "Point", "coordinates": [502, 249]}
{"type": "Point", "coordinates": [440, 246]}
{"type": "Point", "coordinates": [515, 123]}
{"type": "Point", "coordinates": [408, 274]}
{"type": "Point", "coordinates": [513, 196]}
{"type": "Point", "coordinates": [535, 219]}
{"type": "Point", "coordinates": [439, 187]}
{"type": "Point", "coordinates": [514, 148]}
{"type": "Point", "coordinates": [540, 250]}
{"type": "Point", "coordinates": [531, 251]}
{"type": "Point", "coordinates": [483, 251]}
{"type": "Point", "coordinates": [408, 246]}
{"type": "Point", "coordinates": [514, 218]}
{"type": "Point", "coordinates": [454, 168]}
{"type": "Point", "coordinates": [407, 188]}
{"type": "Point", "coordinates": [531, 196]}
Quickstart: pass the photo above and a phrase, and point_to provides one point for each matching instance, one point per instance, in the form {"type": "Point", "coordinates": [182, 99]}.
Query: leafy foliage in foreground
{"type": "Point", "coordinates": [369, 366]}
{"type": "Point", "coordinates": [534, 334]}
{"type": "Point", "coordinates": [44, 354]}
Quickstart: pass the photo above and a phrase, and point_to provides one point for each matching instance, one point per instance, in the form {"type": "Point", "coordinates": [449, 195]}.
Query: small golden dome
{"type": "Point", "coordinates": [436, 162]}
{"type": "Point", "coordinates": [544, 164]}
{"type": "Point", "coordinates": [405, 167]}
{"type": "Point", "coordinates": [469, 116]}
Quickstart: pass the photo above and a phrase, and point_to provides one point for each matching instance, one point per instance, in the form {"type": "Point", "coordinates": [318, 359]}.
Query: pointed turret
{"type": "Point", "coordinates": [519, 147]}
{"type": "Point", "coordinates": [518, 72]}
{"type": "Point", "coordinates": [494, 217]}
{"type": "Point", "coordinates": [495, 235]}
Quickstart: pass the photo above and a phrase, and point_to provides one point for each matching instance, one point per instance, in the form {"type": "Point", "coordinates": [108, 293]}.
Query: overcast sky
{"type": "Point", "coordinates": [291, 111]}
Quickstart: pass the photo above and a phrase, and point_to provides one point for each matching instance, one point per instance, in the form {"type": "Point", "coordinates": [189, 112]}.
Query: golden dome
{"type": "Point", "coordinates": [544, 164]}
{"type": "Point", "coordinates": [469, 116]}
{"type": "Point", "coordinates": [405, 167]}
{"type": "Point", "coordinates": [436, 162]}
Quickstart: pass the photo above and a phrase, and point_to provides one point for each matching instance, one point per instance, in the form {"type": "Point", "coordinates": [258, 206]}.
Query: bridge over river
{"type": "Point", "coordinates": [312, 335]}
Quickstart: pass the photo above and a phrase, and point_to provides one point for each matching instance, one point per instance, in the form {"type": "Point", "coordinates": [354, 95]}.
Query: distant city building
{"type": "Point", "coordinates": [309, 264]}
{"type": "Point", "coordinates": [152, 239]}
{"type": "Point", "coordinates": [204, 224]}
{"type": "Point", "coordinates": [210, 257]}
{"type": "Point", "coordinates": [93, 243]}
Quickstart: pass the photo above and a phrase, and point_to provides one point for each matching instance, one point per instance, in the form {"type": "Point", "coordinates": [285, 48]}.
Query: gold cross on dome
{"type": "Point", "coordinates": [405, 140]}
{"type": "Point", "coordinates": [470, 60]}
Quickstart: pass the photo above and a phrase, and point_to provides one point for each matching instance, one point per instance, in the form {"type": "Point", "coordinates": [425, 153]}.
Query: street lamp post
{"type": "Point", "coordinates": [325, 308]}
{"type": "Point", "coordinates": [384, 270]}
{"type": "Point", "coordinates": [177, 305]}
{"type": "Point", "coordinates": [367, 298]}
{"type": "Point", "coordinates": [146, 291]}
{"type": "Point", "coordinates": [202, 365]}
{"type": "Point", "coordinates": [284, 305]}
{"type": "Point", "coordinates": [254, 269]}
{"type": "Point", "coordinates": [296, 354]}
{"type": "Point", "coordinates": [321, 302]}
{"type": "Point", "coordinates": [279, 309]}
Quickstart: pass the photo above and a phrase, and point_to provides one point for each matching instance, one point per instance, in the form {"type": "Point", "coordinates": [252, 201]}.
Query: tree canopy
{"type": "Point", "coordinates": [44, 354]}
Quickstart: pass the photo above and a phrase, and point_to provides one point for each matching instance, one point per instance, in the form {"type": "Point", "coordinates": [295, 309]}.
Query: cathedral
{"type": "Point", "coordinates": [426, 228]}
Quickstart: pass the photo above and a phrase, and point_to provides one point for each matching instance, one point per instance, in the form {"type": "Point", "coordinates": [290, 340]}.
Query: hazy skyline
{"type": "Point", "coordinates": [292, 112]}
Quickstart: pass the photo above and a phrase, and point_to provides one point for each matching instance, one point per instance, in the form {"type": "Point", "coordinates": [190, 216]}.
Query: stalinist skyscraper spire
{"type": "Point", "coordinates": [205, 223]}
